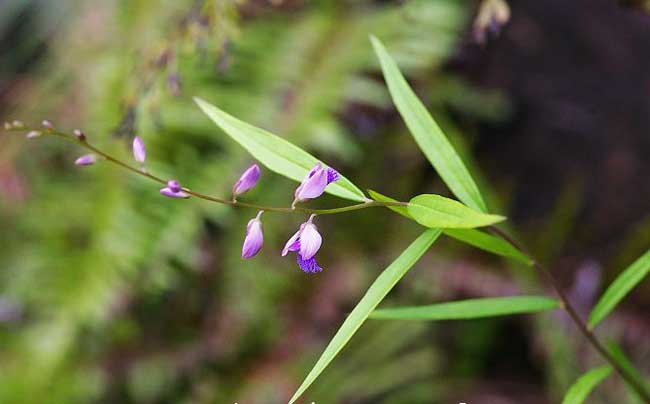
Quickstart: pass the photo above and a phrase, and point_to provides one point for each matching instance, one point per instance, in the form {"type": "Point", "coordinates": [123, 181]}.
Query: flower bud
{"type": "Point", "coordinates": [86, 160]}
{"type": "Point", "coordinates": [33, 134]}
{"type": "Point", "coordinates": [174, 185]}
{"type": "Point", "coordinates": [139, 152]}
{"type": "Point", "coordinates": [47, 124]}
{"type": "Point", "coordinates": [247, 180]}
{"type": "Point", "coordinates": [254, 237]}
{"type": "Point", "coordinates": [174, 190]}
{"type": "Point", "coordinates": [79, 135]}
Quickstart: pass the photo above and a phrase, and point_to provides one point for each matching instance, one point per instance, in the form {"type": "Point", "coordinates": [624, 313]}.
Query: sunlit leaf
{"type": "Point", "coordinates": [468, 309]}
{"type": "Point", "coordinates": [276, 153]}
{"type": "Point", "coordinates": [579, 391]}
{"type": "Point", "coordinates": [627, 280]}
{"type": "Point", "coordinates": [427, 133]}
{"type": "Point", "coordinates": [377, 291]}
{"type": "Point", "coordinates": [437, 211]}
{"type": "Point", "coordinates": [472, 237]}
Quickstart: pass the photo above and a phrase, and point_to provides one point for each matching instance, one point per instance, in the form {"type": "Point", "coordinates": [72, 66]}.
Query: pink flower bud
{"type": "Point", "coordinates": [254, 237]}
{"type": "Point", "coordinates": [86, 160]}
{"type": "Point", "coordinates": [174, 190]}
{"type": "Point", "coordinates": [139, 152]}
{"type": "Point", "coordinates": [247, 180]}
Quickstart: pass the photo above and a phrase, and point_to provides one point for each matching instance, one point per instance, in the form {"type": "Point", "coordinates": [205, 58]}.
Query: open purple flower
{"type": "Point", "coordinates": [139, 152]}
{"type": "Point", "coordinates": [247, 180]}
{"type": "Point", "coordinates": [174, 190]}
{"type": "Point", "coordinates": [254, 237]}
{"type": "Point", "coordinates": [306, 242]}
{"type": "Point", "coordinates": [86, 160]}
{"type": "Point", "coordinates": [314, 183]}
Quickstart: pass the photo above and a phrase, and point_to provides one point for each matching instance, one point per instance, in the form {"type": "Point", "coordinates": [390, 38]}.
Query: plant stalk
{"type": "Point", "coordinates": [639, 388]}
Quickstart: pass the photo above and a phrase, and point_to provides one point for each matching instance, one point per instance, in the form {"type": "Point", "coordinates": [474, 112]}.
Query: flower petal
{"type": "Point", "coordinates": [171, 194]}
{"type": "Point", "coordinates": [309, 266]}
{"type": "Point", "coordinates": [310, 241]}
{"type": "Point", "coordinates": [332, 175]}
{"type": "Point", "coordinates": [247, 180]}
{"type": "Point", "coordinates": [254, 239]}
{"type": "Point", "coordinates": [86, 160]}
{"type": "Point", "coordinates": [313, 187]}
{"type": "Point", "coordinates": [293, 244]}
{"type": "Point", "coordinates": [174, 185]}
{"type": "Point", "coordinates": [139, 152]}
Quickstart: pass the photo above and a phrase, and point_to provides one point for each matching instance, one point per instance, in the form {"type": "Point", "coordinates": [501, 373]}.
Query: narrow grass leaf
{"type": "Point", "coordinates": [469, 309]}
{"type": "Point", "coordinates": [428, 135]}
{"type": "Point", "coordinates": [621, 286]}
{"type": "Point", "coordinates": [585, 384]}
{"type": "Point", "coordinates": [472, 237]}
{"type": "Point", "coordinates": [377, 291]}
{"type": "Point", "coordinates": [488, 243]}
{"type": "Point", "coordinates": [437, 211]}
{"type": "Point", "coordinates": [276, 153]}
{"type": "Point", "coordinates": [625, 363]}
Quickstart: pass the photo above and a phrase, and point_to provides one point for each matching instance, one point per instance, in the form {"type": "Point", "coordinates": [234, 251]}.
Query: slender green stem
{"type": "Point", "coordinates": [629, 378]}
{"type": "Point", "coordinates": [84, 143]}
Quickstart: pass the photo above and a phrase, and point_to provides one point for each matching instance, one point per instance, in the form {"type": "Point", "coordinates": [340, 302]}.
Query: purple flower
{"type": "Point", "coordinates": [254, 237]}
{"type": "Point", "coordinates": [139, 152]}
{"type": "Point", "coordinates": [306, 242]}
{"type": "Point", "coordinates": [86, 160]}
{"type": "Point", "coordinates": [174, 190]}
{"type": "Point", "coordinates": [314, 183]}
{"type": "Point", "coordinates": [247, 180]}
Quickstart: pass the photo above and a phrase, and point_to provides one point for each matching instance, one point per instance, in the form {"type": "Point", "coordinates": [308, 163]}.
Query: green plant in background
{"type": "Point", "coordinates": [432, 211]}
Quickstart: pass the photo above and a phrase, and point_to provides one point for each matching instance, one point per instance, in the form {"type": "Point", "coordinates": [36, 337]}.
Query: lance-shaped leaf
{"type": "Point", "coordinates": [579, 391]}
{"type": "Point", "coordinates": [428, 135]}
{"type": "Point", "coordinates": [437, 211]}
{"type": "Point", "coordinates": [472, 237]}
{"type": "Point", "coordinates": [488, 243]}
{"type": "Point", "coordinates": [377, 291]}
{"type": "Point", "coordinates": [276, 153]}
{"type": "Point", "coordinates": [622, 360]}
{"type": "Point", "coordinates": [625, 282]}
{"type": "Point", "coordinates": [469, 309]}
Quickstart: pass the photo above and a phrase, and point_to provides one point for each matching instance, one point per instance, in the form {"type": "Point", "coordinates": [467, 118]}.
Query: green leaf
{"type": "Point", "coordinates": [468, 309]}
{"type": "Point", "coordinates": [621, 359]}
{"type": "Point", "coordinates": [377, 291]}
{"type": "Point", "coordinates": [472, 237]}
{"type": "Point", "coordinates": [583, 386]}
{"type": "Point", "coordinates": [437, 211]}
{"type": "Point", "coordinates": [488, 243]}
{"type": "Point", "coordinates": [627, 280]}
{"type": "Point", "coordinates": [276, 153]}
{"type": "Point", "coordinates": [427, 133]}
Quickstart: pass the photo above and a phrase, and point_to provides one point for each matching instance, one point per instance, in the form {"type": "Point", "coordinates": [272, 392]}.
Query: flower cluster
{"type": "Point", "coordinates": [305, 242]}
